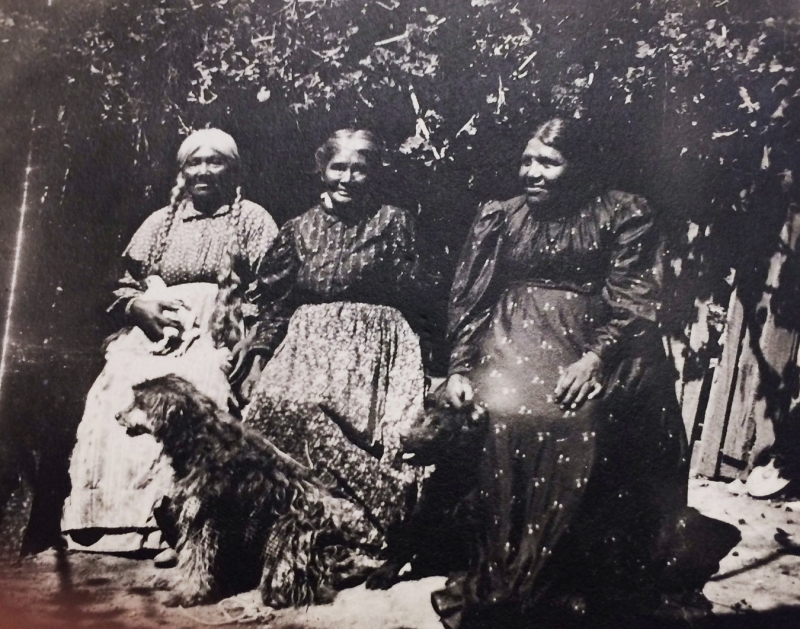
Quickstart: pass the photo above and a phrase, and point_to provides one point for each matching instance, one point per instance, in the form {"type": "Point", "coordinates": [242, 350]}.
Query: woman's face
{"type": "Point", "coordinates": [347, 172]}
{"type": "Point", "coordinates": [207, 175]}
{"type": "Point", "coordinates": [542, 168]}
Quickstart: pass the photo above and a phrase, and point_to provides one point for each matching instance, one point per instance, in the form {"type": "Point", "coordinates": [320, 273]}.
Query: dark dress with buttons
{"type": "Point", "coordinates": [577, 499]}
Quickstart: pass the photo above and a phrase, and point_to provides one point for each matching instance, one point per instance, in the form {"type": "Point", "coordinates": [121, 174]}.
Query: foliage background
{"type": "Point", "coordinates": [695, 103]}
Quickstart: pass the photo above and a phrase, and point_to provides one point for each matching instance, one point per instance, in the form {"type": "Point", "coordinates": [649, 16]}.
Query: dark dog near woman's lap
{"type": "Point", "coordinates": [242, 510]}
{"type": "Point", "coordinates": [437, 537]}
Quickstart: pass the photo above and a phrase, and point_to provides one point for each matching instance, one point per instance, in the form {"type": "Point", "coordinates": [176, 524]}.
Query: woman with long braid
{"type": "Point", "coordinates": [180, 301]}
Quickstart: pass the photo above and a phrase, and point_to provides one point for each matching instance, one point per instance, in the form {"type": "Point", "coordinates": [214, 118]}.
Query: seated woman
{"type": "Point", "coordinates": [343, 375]}
{"type": "Point", "coordinates": [584, 475]}
{"type": "Point", "coordinates": [181, 302]}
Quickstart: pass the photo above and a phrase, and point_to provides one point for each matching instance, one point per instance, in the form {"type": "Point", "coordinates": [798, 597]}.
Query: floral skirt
{"type": "Point", "coordinates": [341, 389]}
{"type": "Point", "coordinates": [117, 479]}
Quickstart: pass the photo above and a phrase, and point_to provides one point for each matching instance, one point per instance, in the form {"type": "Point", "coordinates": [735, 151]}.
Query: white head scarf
{"type": "Point", "coordinates": [215, 139]}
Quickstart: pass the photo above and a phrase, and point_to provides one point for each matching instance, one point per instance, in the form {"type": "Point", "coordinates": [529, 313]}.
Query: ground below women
{"type": "Point", "coordinates": [756, 588]}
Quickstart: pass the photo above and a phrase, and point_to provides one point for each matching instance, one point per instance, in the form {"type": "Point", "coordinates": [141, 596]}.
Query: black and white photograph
{"type": "Point", "coordinates": [399, 314]}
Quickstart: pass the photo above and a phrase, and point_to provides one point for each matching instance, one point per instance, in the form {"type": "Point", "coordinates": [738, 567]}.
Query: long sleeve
{"type": "Point", "coordinates": [633, 280]}
{"type": "Point", "coordinates": [258, 232]}
{"type": "Point", "coordinates": [475, 287]}
{"type": "Point", "coordinates": [272, 291]}
{"type": "Point", "coordinates": [405, 255]}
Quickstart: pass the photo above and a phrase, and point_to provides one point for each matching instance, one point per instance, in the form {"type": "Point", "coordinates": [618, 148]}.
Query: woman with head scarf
{"type": "Point", "coordinates": [342, 371]}
{"type": "Point", "coordinates": [553, 321]}
{"type": "Point", "coordinates": [182, 305]}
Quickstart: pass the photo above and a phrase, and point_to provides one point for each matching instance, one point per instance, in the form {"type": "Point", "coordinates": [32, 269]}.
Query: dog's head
{"type": "Point", "coordinates": [168, 401]}
{"type": "Point", "coordinates": [443, 432]}
{"type": "Point", "coordinates": [135, 419]}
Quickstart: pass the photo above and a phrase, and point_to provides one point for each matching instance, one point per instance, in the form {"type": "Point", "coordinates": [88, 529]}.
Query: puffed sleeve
{"type": "Point", "coordinates": [272, 291]}
{"type": "Point", "coordinates": [475, 287]}
{"type": "Point", "coordinates": [136, 263]}
{"type": "Point", "coordinates": [633, 279]}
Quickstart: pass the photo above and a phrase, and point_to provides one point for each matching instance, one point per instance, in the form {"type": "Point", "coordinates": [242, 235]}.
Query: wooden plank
{"type": "Point", "coordinates": [685, 390]}
{"type": "Point", "coordinates": [751, 425]}
{"type": "Point", "coordinates": [740, 425]}
{"type": "Point", "coordinates": [689, 405]}
{"type": "Point", "coordinates": [722, 388]}
{"type": "Point", "coordinates": [746, 442]}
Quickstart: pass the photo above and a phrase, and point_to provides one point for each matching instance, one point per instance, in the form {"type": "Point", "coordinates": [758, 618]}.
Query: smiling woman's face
{"type": "Point", "coordinates": [206, 173]}
{"type": "Point", "coordinates": [542, 167]}
{"type": "Point", "coordinates": [347, 173]}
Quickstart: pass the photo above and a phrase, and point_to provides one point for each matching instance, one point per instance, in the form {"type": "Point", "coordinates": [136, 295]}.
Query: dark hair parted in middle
{"type": "Point", "coordinates": [577, 141]}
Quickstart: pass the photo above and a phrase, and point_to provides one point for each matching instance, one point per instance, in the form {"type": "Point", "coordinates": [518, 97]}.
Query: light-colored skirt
{"type": "Point", "coordinates": [342, 388]}
{"type": "Point", "coordinates": [117, 480]}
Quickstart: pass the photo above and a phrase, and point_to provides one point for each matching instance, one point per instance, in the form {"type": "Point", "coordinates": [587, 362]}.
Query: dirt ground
{"type": "Point", "coordinates": [758, 585]}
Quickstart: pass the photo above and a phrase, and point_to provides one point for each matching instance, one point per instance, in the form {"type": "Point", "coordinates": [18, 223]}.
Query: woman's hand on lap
{"type": "Point", "coordinates": [579, 382]}
{"type": "Point", "coordinates": [251, 380]}
{"type": "Point", "coordinates": [153, 315]}
{"type": "Point", "coordinates": [458, 392]}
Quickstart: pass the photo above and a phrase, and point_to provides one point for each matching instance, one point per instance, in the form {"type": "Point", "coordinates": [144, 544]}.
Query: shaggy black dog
{"type": "Point", "coordinates": [242, 510]}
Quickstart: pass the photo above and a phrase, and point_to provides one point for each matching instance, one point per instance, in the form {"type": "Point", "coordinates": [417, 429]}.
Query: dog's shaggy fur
{"type": "Point", "coordinates": [241, 509]}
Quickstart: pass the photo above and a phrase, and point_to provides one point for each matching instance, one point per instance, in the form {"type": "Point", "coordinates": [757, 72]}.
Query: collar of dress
{"type": "Point", "coordinates": [189, 213]}
{"type": "Point", "coordinates": [326, 203]}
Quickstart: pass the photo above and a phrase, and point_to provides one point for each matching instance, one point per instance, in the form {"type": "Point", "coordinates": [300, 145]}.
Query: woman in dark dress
{"type": "Point", "coordinates": [553, 321]}
{"type": "Point", "coordinates": [342, 371]}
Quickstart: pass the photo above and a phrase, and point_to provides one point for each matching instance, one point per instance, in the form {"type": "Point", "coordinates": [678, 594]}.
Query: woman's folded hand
{"type": "Point", "coordinates": [153, 315]}
{"type": "Point", "coordinates": [246, 366]}
{"type": "Point", "coordinates": [458, 392]}
{"type": "Point", "coordinates": [251, 379]}
{"type": "Point", "coordinates": [579, 382]}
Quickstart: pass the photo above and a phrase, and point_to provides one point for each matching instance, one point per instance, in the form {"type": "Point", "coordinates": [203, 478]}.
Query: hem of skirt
{"type": "Point", "coordinates": [130, 509]}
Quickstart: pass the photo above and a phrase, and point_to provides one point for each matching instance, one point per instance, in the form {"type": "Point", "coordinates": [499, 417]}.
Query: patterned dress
{"type": "Point", "coordinates": [116, 479]}
{"type": "Point", "coordinates": [346, 379]}
{"type": "Point", "coordinates": [575, 500]}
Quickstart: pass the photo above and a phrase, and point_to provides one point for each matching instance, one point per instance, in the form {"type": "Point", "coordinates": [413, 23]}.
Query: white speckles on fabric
{"type": "Point", "coordinates": [532, 294]}
{"type": "Point", "coordinates": [609, 249]}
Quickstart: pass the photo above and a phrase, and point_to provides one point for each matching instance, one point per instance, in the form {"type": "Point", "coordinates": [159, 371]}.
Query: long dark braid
{"type": "Point", "coordinates": [227, 322]}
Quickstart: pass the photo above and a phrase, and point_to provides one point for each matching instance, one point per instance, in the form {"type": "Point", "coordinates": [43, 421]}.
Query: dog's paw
{"type": "Point", "coordinates": [383, 577]}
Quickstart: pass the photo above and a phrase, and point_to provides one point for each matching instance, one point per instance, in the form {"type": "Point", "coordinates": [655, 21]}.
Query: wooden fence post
{"type": "Point", "coordinates": [738, 425]}
{"type": "Point", "coordinates": [723, 388]}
